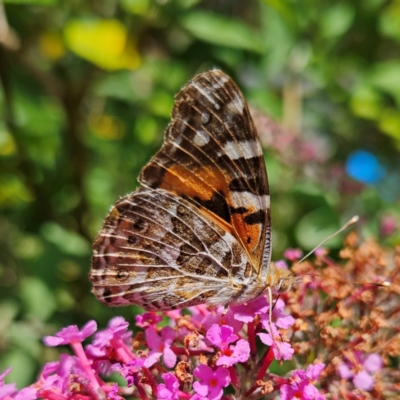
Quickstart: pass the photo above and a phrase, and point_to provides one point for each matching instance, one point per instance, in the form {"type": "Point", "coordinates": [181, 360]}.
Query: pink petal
{"type": "Point", "coordinates": [214, 393]}
{"type": "Point", "coordinates": [153, 340]}
{"type": "Point", "coordinates": [8, 389]}
{"type": "Point", "coordinates": [283, 351]}
{"type": "Point", "coordinates": [310, 392]}
{"type": "Point", "coordinates": [286, 392]}
{"type": "Point", "coordinates": [169, 357]}
{"type": "Point", "coordinates": [373, 363]}
{"type": "Point", "coordinates": [171, 380]}
{"type": "Point", "coordinates": [246, 313]}
{"type": "Point", "coordinates": [168, 335]}
{"type": "Point", "coordinates": [266, 338]}
{"type": "Point", "coordinates": [227, 335]}
{"type": "Point", "coordinates": [314, 371]}
{"type": "Point", "coordinates": [52, 341]}
{"type": "Point", "coordinates": [223, 376]}
{"type": "Point", "coordinates": [163, 393]}
{"type": "Point", "coordinates": [203, 372]}
{"type": "Point", "coordinates": [242, 350]}
{"type": "Point", "coordinates": [88, 330]}
{"type": "Point", "coordinates": [364, 381]}
{"type": "Point", "coordinates": [281, 264]}
{"type": "Point", "coordinates": [153, 357]}
{"type": "Point", "coordinates": [214, 335]}
{"type": "Point", "coordinates": [200, 388]}
{"type": "Point", "coordinates": [344, 371]}
{"type": "Point", "coordinates": [285, 322]}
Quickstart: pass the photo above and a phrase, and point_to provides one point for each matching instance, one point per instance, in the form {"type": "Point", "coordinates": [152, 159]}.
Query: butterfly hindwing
{"type": "Point", "coordinates": [155, 250]}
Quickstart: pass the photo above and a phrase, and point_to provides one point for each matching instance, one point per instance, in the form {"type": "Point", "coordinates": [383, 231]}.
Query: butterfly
{"type": "Point", "coordinates": [198, 228]}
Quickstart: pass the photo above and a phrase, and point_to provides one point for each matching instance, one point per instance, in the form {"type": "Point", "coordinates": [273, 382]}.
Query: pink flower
{"type": "Point", "coordinates": [388, 225]}
{"type": "Point", "coordinates": [300, 385]}
{"type": "Point", "coordinates": [117, 330]}
{"type": "Point", "coordinates": [55, 377]}
{"type": "Point", "coordinates": [282, 350]}
{"type": "Point", "coordinates": [129, 370]}
{"type": "Point", "coordinates": [7, 389]}
{"type": "Point", "coordinates": [71, 334]}
{"type": "Point", "coordinates": [281, 264]}
{"type": "Point", "coordinates": [361, 375]}
{"type": "Point", "coordinates": [160, 346]}
{"type": "Point", "coordinates": [147, 319]}
{"type": "Point", "coordinates": [113, 393]}
{"type": "Point", "coordinates": [279, 317]}
{"type": "Point", "coordinates": [221, 337]}
{"type": "Point", "coordinates": [247, 312]}
{"type": "Point", "coordinates": [211, 382]}
{"type": "Point", "coordinates": [198, 397]}
{"type": "Point", "coordinates": [169, 391]}
{"type": "Point", "coordinates": [203, 318]}
{"type": "Point", "coordinates": [293, 254]}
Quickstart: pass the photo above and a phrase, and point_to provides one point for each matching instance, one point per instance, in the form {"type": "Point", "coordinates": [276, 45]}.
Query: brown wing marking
{"type": "Point", "coordinates": [155, 250]}
{"type": "Point", "coordinates": [212, 156]}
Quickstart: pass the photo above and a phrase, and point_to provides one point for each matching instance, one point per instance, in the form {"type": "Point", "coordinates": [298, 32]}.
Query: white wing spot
{"type": "Point", "coordinates": [205, 117]}
{"type": "Point", "coordinates": [244, 149]}
{"type": "Point", "coordinates": [250, 199]}
{"type": "Point", "coordinates": [201, 138]}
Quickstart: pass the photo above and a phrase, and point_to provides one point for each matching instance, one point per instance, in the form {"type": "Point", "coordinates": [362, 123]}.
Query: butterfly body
{"type": "Point", "coordinates": [198, 230]}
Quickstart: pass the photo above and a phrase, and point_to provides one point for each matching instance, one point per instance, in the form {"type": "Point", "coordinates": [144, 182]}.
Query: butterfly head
{"type": "Point", "coordinates": [284, 279]}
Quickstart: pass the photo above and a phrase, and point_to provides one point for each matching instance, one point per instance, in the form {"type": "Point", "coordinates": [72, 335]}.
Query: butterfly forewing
{"type": "Point", "coordinates": [212, 156]}
{"type": "Point", "coordinates": [198, 229]}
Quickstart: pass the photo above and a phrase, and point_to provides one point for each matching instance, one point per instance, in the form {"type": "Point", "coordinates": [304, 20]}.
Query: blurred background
{"type": "Point", "coordinates": [86, 92]}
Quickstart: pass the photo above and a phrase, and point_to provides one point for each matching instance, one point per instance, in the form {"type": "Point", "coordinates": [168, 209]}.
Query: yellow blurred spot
{"type": "Point", "coordinates": [107, 127]}
{"type": "Point", "coordinates": [389, 123]}
{"type": "Point", "coordinates": [366, 103]}
{"type": "Point", "coordinates": [51, 45]}
{"type": "Point", "coordinates": [13, 192]}
{"type": "Point", "coordinates": [7, 144]}
{"type": "Point", "coordinates": [102, 42]}
{"type": "Point", "coordinates": [140, 7]}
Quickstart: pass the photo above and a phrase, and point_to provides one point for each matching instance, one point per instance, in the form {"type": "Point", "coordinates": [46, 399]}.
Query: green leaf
{"type": "Point", "coordinates": [386, 76]}
{"type": "Point", "coordinates": [161, 103]}
{"type": "Point", "coordinates": [316, 226]}
{"type": "Point", "coordinates": [220, 30]}
{"type": "Point", "coordinates": [23, 367]}
{"type": "Point", "coordinates": [336, 20]}
{"type": "Point", "coordinates": [67, 241]}
{"type": "Point", "coordinates": [8, 310]}
{"type": "Point", "coordinates": [33, 2]}
{"type": "Point", "coordinates": [283, 9]}
{"type": "Point", "coordinates": [37, 297]}
{"type": "Point", "coordinates": [389, 22]}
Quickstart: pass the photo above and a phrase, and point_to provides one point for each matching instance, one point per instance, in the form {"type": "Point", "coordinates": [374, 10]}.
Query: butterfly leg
{"type": "Point", "coordinates": [272, 331]}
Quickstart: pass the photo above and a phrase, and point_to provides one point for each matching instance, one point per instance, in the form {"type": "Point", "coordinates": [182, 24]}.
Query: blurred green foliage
{"type": "Point", "coordinates": [86, 93]}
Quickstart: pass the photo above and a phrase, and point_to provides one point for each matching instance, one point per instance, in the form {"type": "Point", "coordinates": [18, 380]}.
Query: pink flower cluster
{"type": "Point", "coordinates": [211, 354]}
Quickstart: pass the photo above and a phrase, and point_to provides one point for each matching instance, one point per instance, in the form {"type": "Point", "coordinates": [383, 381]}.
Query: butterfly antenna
{"type": "Point", "coordinates": [345, 226]}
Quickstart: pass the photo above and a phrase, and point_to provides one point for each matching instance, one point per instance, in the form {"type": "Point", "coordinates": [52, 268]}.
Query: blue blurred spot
{"type": "Point", "coordinates": [364, 167]}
